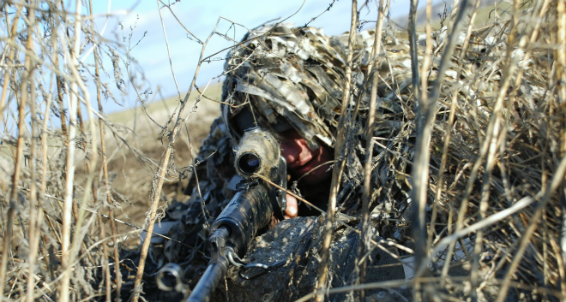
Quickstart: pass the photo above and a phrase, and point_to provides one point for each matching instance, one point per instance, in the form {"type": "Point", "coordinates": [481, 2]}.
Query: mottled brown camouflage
{"type": "Point", "coordinates": [298, 74]}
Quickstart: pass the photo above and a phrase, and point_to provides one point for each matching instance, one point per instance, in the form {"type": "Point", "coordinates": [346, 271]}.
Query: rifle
{"type": "Point", "coordinates": [249, 211]}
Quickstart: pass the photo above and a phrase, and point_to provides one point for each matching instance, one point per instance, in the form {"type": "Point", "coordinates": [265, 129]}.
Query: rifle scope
{"type": "Point", "coordinates": [249, 163]}
{"type": "Point", "coordinates": [257, 153]}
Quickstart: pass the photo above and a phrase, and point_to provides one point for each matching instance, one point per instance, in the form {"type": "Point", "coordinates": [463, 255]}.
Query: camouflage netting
{"type": "Point", "coordinates": [494, 209]}
{"type": "Point", "coordinates": [299, 74]}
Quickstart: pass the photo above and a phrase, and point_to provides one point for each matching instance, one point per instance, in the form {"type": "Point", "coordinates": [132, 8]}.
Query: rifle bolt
{"type": "Point", "coordinates": [279, 192]}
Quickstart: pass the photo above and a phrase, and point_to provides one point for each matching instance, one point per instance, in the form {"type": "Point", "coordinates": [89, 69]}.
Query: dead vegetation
{"type": "Point", "coordinates": [71, 176]}
{"type": "Point", "coordinates": [477, 155]}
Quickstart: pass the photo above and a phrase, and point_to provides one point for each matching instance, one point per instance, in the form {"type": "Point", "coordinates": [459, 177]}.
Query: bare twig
{"type": "Point", "coordinates": [160, 176]}
{"type": "Point", "coordinates": [179, 21]}
{"type": "Point", "coordinates": [367, 188]}
{"type": "Point", "coordinates": [337, 172]}
{"type": "Point", "coordinates": [168, 51]}
{"type": "Point", "coordinates": [70, 166]}
{"type": "Point", "coordinates": [19, 156]}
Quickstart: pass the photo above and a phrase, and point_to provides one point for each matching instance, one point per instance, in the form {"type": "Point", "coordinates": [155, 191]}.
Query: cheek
{"type": "Point", "coordinates": [295, 150]}
{"type": "Point", "coordinates": [289, 151]}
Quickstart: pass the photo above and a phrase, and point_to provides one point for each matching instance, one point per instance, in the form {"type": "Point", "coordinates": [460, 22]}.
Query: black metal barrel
{"type": "Point", "coordinates": [208, 282]}
{"type": "Point", "coordinates": [249, 211]}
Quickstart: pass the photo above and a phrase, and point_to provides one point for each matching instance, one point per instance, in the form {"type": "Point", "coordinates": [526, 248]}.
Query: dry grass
{"type": "Point", "coordinates": [133, 174]}
{"type": "Point", "coordinates": [67, 168]}
{"type": "Point", "coordinates": [487, 141]}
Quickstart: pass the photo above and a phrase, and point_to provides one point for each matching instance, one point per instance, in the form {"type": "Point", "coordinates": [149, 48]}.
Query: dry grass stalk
{"type": "Point", "coordinates": [160, 175]}
{"type": "Point", "coordinates": [19, 157]}
{"type": "Point", "coordinates": [33, 233]}
{"type": "Point", "coordinates": [11, 54]}
{"type": "Point", "coordinates": [426, 114]}
{"type": "Point", "coordinates": [448, 132]}
{"type": "Point", "coordinates": [488, 166]}
{"type": "Point", "coordinates": [423, 138]}
{"type": "Point", "coordinates": [107, 275]}
{"type": "Point", "coordinates": [339, 152]}
{"type": "Point", "coordinates": [35, 270]}
{"type": "Point", "coordinates": [364, 246]}
{"type": "Point", "coordinates": [561, 75]}
{"type": "Point", "coordinates": [70, 166]}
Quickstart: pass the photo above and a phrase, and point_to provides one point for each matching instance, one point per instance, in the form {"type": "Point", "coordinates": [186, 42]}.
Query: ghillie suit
{"type": "Point", "coordinates": [299, 74]}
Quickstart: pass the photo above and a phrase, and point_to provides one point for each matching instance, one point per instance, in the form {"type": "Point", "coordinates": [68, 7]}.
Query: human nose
{"type": "Point", "coordinates": [295, 152]}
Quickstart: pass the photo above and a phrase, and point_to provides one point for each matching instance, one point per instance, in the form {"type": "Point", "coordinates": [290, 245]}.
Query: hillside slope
{"type": "Point", "coordinates": [135, 155]}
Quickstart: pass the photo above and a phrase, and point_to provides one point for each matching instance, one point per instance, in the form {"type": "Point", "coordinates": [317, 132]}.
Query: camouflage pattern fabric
{"type": "Point", "coordinates": [298, 74]}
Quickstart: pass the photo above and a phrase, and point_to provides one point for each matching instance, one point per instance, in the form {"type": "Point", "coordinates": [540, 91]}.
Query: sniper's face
{"type": "Point", "coordinates": [302, 161]}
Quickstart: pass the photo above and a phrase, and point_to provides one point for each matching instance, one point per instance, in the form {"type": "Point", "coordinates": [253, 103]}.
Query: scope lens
{"type": "Point", "coordinates": [249, 163]}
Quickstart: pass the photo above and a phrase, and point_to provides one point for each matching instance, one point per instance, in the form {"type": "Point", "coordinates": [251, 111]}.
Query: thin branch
{"type": "Point", "coordinates": [322, 271]}
{"type": "Point", "coordinates": [178, 21]}
{"type": "Point", "coordinates": [70, 166]}
{"type": "Point", "coordinates": [160, 176]}
{"type": "Point", "coordinates": [168, 51]}
{"type": "Point", "coordinates": [365, 239]}
{"type": "Point", "coordinates": [19, 156]}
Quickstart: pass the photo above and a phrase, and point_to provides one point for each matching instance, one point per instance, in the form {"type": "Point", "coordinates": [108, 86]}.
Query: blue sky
{"type": "Point", "coordinates": [200, 17]}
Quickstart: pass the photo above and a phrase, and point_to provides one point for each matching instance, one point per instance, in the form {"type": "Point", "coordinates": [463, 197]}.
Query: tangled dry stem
{"type": "Point", "coordinates": [485, 117]}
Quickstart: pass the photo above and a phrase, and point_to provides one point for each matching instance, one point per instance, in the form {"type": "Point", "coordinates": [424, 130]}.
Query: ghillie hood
{"type": "Point", "coordinates": [295, 73]}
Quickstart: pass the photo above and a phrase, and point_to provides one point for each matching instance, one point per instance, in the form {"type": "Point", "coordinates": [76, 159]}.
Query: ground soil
{"type": "Point", "coordinates": [132, 167]}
